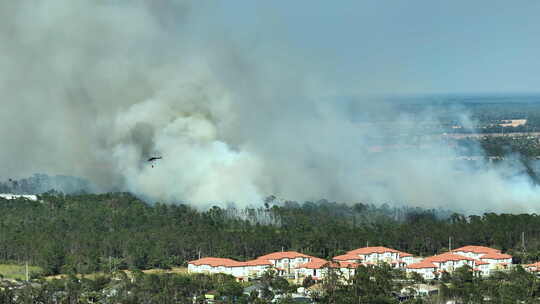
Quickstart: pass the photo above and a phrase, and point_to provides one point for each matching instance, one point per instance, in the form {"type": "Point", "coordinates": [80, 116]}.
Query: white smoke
{"type": "Point", "coordinates": [197, 164]}
{"type": "Point", "coordinates": [95, 88]}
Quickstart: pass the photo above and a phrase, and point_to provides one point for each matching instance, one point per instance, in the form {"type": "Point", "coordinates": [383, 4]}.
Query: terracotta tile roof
{"type": "Point", "coordinates": [532, 267]}
{"type": "Point", "coordinates": [423, 264]}
{"type": "Point", "coordinates": [404, 254]}
{"type": "Point", "coordinates": [347, 256]}
{"type": "Point", "coordinates": [348, 265]}
{"type": "Point", "coordinates": [257, 262]}
{"type": "Point", "coordinates": [315, 263]}
{"type": "Point", "coordinates": [215, 262]}
{"type": "Point", "coordinates": [476, 249]}
{"type": "Point", "coordinates": [496, 256]}
{"type": "Point", "coordinates": [283, 255]}
{"type": "Point", "coordinates": [369, 250]}
{"type": "Point", "coordinates": [447, 256]}
{"type": "Point", "coordinates": [537, 264]}
{"type": "Point", "coordinates": [479, 262]}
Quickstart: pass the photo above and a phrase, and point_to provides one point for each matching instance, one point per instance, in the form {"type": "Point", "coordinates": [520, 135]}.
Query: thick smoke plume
{"type": "Point", "coordinates": [94, 88]}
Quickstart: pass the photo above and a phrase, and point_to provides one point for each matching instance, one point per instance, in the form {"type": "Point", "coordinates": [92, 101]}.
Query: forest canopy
{"type": "Point", "coordinates": [88, 232]}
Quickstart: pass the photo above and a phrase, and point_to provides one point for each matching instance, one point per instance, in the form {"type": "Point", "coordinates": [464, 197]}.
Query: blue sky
{"type": "Point", "coordinates": [397, 47]}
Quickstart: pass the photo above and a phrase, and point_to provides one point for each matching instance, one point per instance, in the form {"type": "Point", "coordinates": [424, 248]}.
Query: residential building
{"type": "Point", "coordinates": [495, 259]}
{"type": "Point", "coordinates": [253, 268]}
{"type": "Point", "coordinates": [283, 262]}
{"type": "Point", "coordinates": [426, 269]}
{"type": "Point", "coordinates": [286, 261]}
{"type": "Point", "coordinates": [534, 267]}
{"type": "Point", "coordinates": [318, 268]}
{"type": "Point", "coordinates": [376, 255]}
{"type": "Point", "coordinates": [483, 260]}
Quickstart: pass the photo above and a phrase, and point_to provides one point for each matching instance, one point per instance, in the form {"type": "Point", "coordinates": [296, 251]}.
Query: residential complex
{"type": "Point", "coordinates": [483, 260]}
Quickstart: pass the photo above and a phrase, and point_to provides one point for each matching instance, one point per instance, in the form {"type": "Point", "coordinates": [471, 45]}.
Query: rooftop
{"type": "Point", "coordinates": [315, 263]}
{"type": "Point", "coordinates": [369, 250]}
{"type": "Point", "coordinates": [447, 256]}
{"type": "Point", "coordinates": [496, 256]}
{"type": "Point", "coordinates": [347, 256]}
{"type": "Point", "coordinates": [476, 249]}
{"type": "Point", "coordinates": [423, 264]}
{"type": "Point", "coordinates": [214, 262]}
{"type": "Point", "coordinates": [283, 255]}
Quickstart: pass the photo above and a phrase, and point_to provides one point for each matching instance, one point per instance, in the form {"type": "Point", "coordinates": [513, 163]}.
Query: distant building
{"type": "Point", "coordinates": [253, 268]}
{"type": "Point", "coordinates": [318, 268]}
{"type": "Point", "coordinates": [283, 262]}
{"type": "Point", "coordinates": [376, 255]}
{"type": "Point", "coordinates": [286, 261]}
{"type": "Point", "coordinates": [426, 269]}
{"type": "Point", "coordinates": [534, 267]}
{"type": "Point", "coordinates": [474, 252]}
{"type": "Point", "coordinates": [422, 290]}
{"type": "Point", "coordinates": [482, 260]}
{"type": "Point", "coordinates": [9, 196]}
{"type": "Point", "coordinates": [493, 257]}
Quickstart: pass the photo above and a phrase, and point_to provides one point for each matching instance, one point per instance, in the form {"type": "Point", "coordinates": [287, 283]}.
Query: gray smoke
{"type": "Point", "coordinates": [94, 88]}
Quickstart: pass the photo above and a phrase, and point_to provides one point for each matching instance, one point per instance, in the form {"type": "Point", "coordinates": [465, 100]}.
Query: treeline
{"type": "Point", "coordinates": [88, 233]}
{"type": "Point", "coordinates": [40, 183]}
{"type": "Point", "coordinates": [120, 287]}
{"type": "Point", "coordinates": [372, 284]}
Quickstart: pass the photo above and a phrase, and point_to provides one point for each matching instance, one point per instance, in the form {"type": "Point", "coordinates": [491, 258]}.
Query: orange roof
{"type": "Point", "coordinates": [447, 256]}
{"type": "Point", "coordinates": [214, 262]}
{"type": "Point", "coordinates": [315, 263]}
{"type": "Point", "coordinates": [283, 255]}
{"type": "Point", "coordinates": [479, 262]}
{"type": "Point", "coordinates": [348, 265]}
{"type": "Point", "coordinates": [369, 250]}
{"type": "Point", "coordinates": [537, 264]}
{"type": "Point", "coordinates": [532, 267]}
{"type": "Point", "coordinates": [257, 262]}
{"type": "Point", "coordinates": [420, 265]}
{"type": "Point", "coordinates": [496, 256]}
{"type": "Point", "coordinates": [476, 249]}
{"type": "Point", "coordinates": [346, 257]}
{"type": "Point", "coordinates": [404, 254]}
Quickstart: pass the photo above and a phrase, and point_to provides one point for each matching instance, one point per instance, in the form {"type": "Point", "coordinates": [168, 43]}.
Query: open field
{"type": "Point", "coordinates": [12, 271]}
{"type": "Point", "coordinates": [176, 270]}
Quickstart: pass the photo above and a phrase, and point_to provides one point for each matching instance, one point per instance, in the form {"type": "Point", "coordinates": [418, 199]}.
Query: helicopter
{"type": "Point", "coordinates": [153, 159]}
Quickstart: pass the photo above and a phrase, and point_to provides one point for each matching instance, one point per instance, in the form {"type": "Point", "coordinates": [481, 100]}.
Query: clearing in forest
{"type": "Point", "coordinates": [13, 271]}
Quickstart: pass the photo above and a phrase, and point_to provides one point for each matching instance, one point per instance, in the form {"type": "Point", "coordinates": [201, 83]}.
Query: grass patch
{"type": "Point", "coordinates": [176, 270]}
{"type": "Point", "coordinates": [12, 271]}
